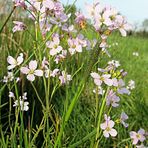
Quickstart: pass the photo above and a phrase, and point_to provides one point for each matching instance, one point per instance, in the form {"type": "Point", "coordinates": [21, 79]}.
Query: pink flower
{"type": "Point", "coordinates": [124, 117]}
{"type": "Point", "coordinates": [107, 127]}
{"type": "Point", "coordinates": [93, 9]}
{"type": "Point", "coordinates": [121, 88]}
{"type": "Point", "coordinates": [31, 71]}
{"type": "Point", "coordinates": [19, 26]}
{"type": "Point", "coordinates": [54, 46]}
{"type": "Point", "coordinates": [112, 99]}
{"type": "Point", "coordinates": [79, 17]}
{"type": "Point", "coordinates": [14, 62]}
{"type": "Point", "coordinates": [74, 46]}
{"type": "Point", "coordinates": [98, 80]}
{"type": "Point", "coordinates": [101, 19]}
{"type": "Point", "coordinates": [19, 3]}
{"type": "Point", "coordinates": [139, 136]}
{"type": "Point", "coordinates": [122, 25]}
{"type": "Point", "coordinates": [54, 73]}
{"type": "Point", "coordinates": [65, 78]}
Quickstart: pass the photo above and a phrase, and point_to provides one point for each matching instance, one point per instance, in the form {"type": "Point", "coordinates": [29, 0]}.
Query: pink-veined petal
{"type": "Point", "coordinates": [33, 65]}
{"type": "Point", "coordinates": [24, 70]}
{"type": "Point", "coordinates": [108, 82]}
{"type": "Point", "coordinates": [123, 32]}
{"type": "Point", "coordinates": [103, 126]}
{"type": "Point", "coordinates": [20, 60]}
{"type": "Point", "coordinates": [31, 77]}
{"type": "Point", "coordinates": [113, 132]}
{"type": "Point", "coordinates": [106, 134]}
{"type": "Point", "coordinates": [98, 82]}
{"type": "Point", "coordinates": [53, 52]}
{"type": "Point", "coordinates": [11, 67]}
{"type": "Point", "coordinates": [38, 73]}
{"type": "Point", "coordinates": [11, 60]}
{"type": "Point", "coordinates": [95, 75]}
{"type": "Point", "coordinates": [111, 123]}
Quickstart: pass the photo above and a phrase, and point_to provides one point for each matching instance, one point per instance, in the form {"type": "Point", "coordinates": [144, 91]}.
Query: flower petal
{"type": "Point", "coordinates": [103, 126]}
{"type": "Point", "coordinates": [31, 77]}
{"type": "Point", "coordinates": [38, 73]}
{"type": "Point", "coordinates": [11, 67]}
{"type": "Point", "coordinates": [113, 132]}
{"type": "Point", "coordinates": [106, 134]}
{"type": "Point", "coordinates": [11, 60]}
{"type": "Point", "coordinates": [20, 60]}
{"type": "Point", "coordinates": [33, 65]}
{"type": "Point", "coordinates": [24, 70]}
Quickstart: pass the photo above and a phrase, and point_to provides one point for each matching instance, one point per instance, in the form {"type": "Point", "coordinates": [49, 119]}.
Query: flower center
{"type": "Point", "coordinates": [138, 136]}
{"type": "Point", "coordinates": [108, 129]}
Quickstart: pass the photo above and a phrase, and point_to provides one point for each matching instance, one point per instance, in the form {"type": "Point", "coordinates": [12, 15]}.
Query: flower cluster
{"type": "Point", "coordinates": [20, 102]}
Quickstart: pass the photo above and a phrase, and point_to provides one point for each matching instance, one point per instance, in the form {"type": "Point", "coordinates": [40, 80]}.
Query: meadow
{"type": "Point", "coordinates": [62, 109]}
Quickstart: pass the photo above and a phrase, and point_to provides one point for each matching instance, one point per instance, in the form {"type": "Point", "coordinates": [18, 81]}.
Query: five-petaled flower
{"type": "Point", "coordinates": [31, 71]}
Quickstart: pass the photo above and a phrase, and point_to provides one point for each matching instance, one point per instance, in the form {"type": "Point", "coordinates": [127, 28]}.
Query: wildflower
{"type": "Point", "coordinates": [31, 71]}
{"type": "Point", "coordinates": [112, 99]}
{"type": "Point", "coordinates": [11, 95]}
{"type": "Point", "coordinates": [60, 19]}
{"type": "Point", "coordinates": [54, 46]}
{"type": "Point", "coordinates": [61, 56]}
{"type": "Point", "coordinates": [19, 26]}
{"type": "Point", "coordinates": [122, 25]}
{"type": "Point", "coordinates": [58, 8]}
{"type": "Point", "coordinates": [80, 19]}
{"type": "Point", "coordinates": [98, 80]}
{"type": "Point", "coordinates": [74, 46]}
{"type": "Point", "coordinates": [139, 136]}
{"type": "Point", "coordinates": [65, 78]}
{"type": "Point", "coordinates": [99, 90]}
{"type": "Point", "coordinates": [24, 96]}
{"type": "Point", "coordinates": [54, 73]}
{"type": "Point", "coordinates": [8, 78]}
{"type": "Point", "coordinates": [124, 117]}
{"type": "Point", "coordinates": [135, 54]}
{"type": "Point", "coordinates": [23, 105]}
{"type": "Point", "coordinates": [14, 62]}
{"type": "Point", "coordinates": [93, 9]}
{"type": "Point", "coordinates": [131, 85]}
{"type": "Point", "coordinates": [48, 4]}
{"type": "Point", "coordinates": [107, 127]}
{"type": "Point", "coordinates": [19, 3]}
{"type": "Point", "coordinates": [102, 19]}
{"type": "Point", "coordinates": [115, 82]}
{"type": "Point", "coordinates": [121, 88]}
{"type": "Point", "coordinates": [114, 63]}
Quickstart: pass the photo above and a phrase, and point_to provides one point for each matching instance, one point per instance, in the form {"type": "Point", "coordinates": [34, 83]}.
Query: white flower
{"type": "Point", "coordinates": [131, 85]}
{"type": "Point", "coordinates": [8, 78]}
{"type": "Point", "coordinates": [14, 62]}
{"type": "Point", "coordinates": [135, 54]}
{"type": "Point", "coordinates": [23, 105]}
{"type": "Point", "coordinates": [31, 71]}
{"type": "Point", "coordinates": [11, 95]}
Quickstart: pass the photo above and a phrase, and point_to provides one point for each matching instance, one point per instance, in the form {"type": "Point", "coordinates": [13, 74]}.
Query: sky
{"type": "Point", "coordinates": [134, 10]}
